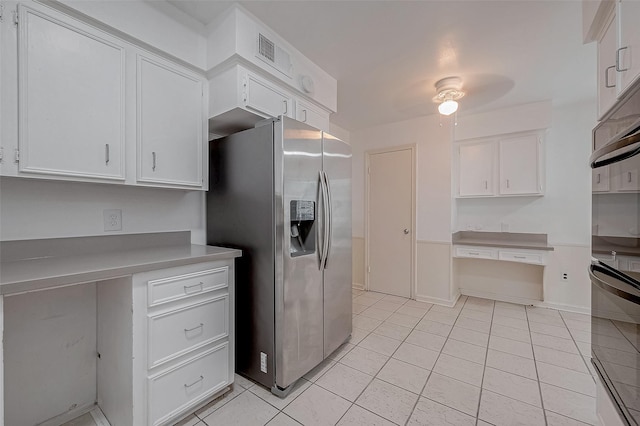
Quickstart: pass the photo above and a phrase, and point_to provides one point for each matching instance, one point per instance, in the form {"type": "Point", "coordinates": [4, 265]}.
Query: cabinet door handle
{"type": "Point", "coordinates": [629, 177]}
{"type": "Point", "coordinates": [153, 157]}
{"type": "Point", "coordinates": [507, 183]}
{"type": "Point", "coordinates": [618, 59]}
{"type": "Point", "coordinates": [197, 381]}
{"type": "Point", "coordinates": [187, 287]}
{"type": "Point", "coordinates": [304, 111]}
{"type": "Point", "coordinates": [286, 107]}
{"type": "Point", "coordinates": [486, 185]}
{"type": "Point", "coordinates": [606, 77]}
{"type": "Point", "coordinates": [598, 178]}
{"type": "Point", "coordinates": [186, 330]}
{"type": "Point", "coordinates": [106, 154]}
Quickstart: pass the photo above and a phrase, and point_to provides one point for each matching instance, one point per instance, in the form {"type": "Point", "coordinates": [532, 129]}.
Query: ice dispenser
{"type": "Point", "coordinates": [302, 228]}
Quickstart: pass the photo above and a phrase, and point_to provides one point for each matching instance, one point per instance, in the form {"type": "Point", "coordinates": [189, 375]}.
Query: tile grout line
{"type": "Point", "coordinates": [435, 362]}
{"type": "Point", "coordinates": [535, 365]}
{"type": "Point", "coordinates": [576, 345]}
{"type": "Point", "coordinates": [484, 367]}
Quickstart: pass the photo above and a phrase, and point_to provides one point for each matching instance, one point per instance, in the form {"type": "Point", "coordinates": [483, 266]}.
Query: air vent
{"type": "Point", "coordinates": [274, 55]}
{"type": "Point", "coordinates": [266, 48]}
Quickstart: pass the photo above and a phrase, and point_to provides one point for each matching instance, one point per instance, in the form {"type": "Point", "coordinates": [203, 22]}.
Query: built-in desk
{"type": "Point", "coordinates": [139, 325]}
{"type": "Point", "coordinates": [494, 275]}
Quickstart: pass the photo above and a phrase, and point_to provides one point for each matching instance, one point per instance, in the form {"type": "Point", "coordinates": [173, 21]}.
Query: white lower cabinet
{"type": "Point", "coordinates": [534, 257]}
{"type": "Point", "coordinates": [183, 339]}
{"type": "Point", "coordinates": [175, 390]}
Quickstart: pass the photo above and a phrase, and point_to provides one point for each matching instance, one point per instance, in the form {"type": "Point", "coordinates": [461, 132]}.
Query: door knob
{"type": "Point", "coordinates": [406, 231]}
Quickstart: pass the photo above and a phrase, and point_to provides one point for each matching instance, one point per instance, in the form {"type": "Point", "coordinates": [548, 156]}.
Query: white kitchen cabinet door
{"type": "Point", "coordinates": [519, 165]}
{"type": "Point", "coordinates": [628, 54]}
{"type": "Point", "coordinates": [476, 168]}
{"type": "Point", "coordinates": [607, 75]}
{"type": "Point", "coordinates": [170, 123]}
{"type": "Point", "coordinates": [312, 116]}
{"type": "Point", "coordinates": [627, 174]}
{"type": "Point", "coordinates": [266, 98]}
{"type": "Point", "coordinates": [600, 180]}
{"type": "Point", "coordinates": [71, 97]}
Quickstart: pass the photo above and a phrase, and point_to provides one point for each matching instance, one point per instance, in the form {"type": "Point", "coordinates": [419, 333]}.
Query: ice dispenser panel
{"type": "Point", "coordinates": [302, 228]}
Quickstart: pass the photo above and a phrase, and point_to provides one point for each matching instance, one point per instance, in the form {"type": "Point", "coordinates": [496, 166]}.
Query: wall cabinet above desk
{"type": "Point", "coordinates": [92, 106]}
{"type": "Point", "coordinates": [500, 166]}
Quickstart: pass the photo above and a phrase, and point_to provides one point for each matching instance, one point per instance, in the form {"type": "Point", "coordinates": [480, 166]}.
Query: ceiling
{"type": "Point", "coordinates": [387, 55]}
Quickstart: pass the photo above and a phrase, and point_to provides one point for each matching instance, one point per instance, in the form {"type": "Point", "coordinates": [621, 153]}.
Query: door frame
{"type": "Point", "coordinates": [414, 245]}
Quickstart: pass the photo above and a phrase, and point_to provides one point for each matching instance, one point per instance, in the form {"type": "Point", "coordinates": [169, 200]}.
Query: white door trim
{"type": "Point", "coordinates": [413, 273]}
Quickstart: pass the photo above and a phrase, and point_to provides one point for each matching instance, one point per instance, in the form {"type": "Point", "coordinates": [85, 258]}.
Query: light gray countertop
{"type": "Point", "coordinates": [502, 240]}
{"type": "Point", "coordinates": [44, 269]}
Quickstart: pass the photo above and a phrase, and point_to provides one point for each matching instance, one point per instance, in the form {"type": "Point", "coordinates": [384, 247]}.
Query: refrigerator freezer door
{"type": "Point", "coordinates": [298, 291]}
{"type": "Point", "coordinates": [337, 272]}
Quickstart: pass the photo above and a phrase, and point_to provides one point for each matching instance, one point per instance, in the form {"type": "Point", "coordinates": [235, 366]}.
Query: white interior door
{"type": "Point", "coordinates": [390, 222]}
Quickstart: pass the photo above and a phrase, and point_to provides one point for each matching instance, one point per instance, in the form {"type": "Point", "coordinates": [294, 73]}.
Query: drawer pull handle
{"type": "Point", "coordinates": [520, 257]}
{"type": "Point", "coordinates": [473, 253]}
{"type": "Point", "coordinates": [197, 381]}
{"type": "Point", "coordinates": [187, 287]}
{"type": "Point", "coordinates": [186, 330]}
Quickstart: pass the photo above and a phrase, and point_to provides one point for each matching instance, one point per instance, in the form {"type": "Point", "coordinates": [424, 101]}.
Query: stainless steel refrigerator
{"type": "Point", "coordinates": [281, 192]}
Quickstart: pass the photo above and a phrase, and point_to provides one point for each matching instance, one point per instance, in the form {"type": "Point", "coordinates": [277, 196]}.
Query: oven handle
{"type": "Point", "coordinates": [611, 147]}
{"type": "Point", "coordinates": [609, 288]}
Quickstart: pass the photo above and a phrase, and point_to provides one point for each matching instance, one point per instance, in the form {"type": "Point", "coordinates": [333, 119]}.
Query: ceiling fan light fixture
{"type": "Point", "coordinates": [449, 91]}
{"type": "Point", "coordinates": [448, 107]}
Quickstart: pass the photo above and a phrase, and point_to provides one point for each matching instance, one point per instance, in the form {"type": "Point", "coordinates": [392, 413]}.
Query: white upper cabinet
{"type": "Point", "coordinates": [71, 98]}
{"type": "Point", "coordinates": [600, 181]}
{"type": "Point", "coordinates": [519, 166]}
{"type": "Point", "coordinates": [500, 167]}
{"type": "Point", "coordinates": [313, 116]}
{"type": "Point", "coordinates": [607, 75]}
{"type": "Point", "coordinates": [476, 169]}
{"type": "Point", "coordinates": [628, 53]}
{"type": "Point", "coordinates": [170, 105]}
{"type": "Point", "coordinates": [90, 104]}
{"type": "Point", "coordinates": [266, 98]}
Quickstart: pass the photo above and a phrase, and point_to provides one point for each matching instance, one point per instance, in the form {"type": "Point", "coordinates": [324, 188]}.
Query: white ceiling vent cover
{"type": "Point", "coordinates": [274, 55]}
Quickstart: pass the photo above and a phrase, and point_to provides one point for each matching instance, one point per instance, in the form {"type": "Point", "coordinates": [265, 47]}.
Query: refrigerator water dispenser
{"type": "Point", "coordinates": [302, 228]}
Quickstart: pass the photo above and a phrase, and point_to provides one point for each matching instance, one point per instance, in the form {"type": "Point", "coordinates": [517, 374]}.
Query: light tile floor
{"type": "Point", "coordinates": [411, 363]}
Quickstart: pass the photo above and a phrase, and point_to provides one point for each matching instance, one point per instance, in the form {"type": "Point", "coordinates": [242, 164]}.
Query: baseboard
{"type": "Point", "coordinates": [500, 297]}
{"type": "Point", "coordinates": [438, 301]}
{"type": "Point", "coordinates": [69, 415]}
{"type": "Point", "coordinates": [99, 418]}
{"type": "Point", "coordinates": [357, 286]}
{"type": "Point", "coordinates": [567, 308]}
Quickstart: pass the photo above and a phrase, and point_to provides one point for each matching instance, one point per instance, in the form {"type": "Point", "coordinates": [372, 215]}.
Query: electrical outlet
{"type": "Point", "coordinates": [565, 276]}
{"type": "Point", "coordinates": [112, 220]}
{"type": "Point", "coordinates": [263, 362]}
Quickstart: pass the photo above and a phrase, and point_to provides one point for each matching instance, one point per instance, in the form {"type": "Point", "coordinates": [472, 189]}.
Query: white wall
{"type": "Point", "coordinates": [34, 208]}
{"type": "Point", "coordinates": [156, 23]}
{"type": "Point", "coordinates": [564, 213]}
{"type": "Point", "coordinates": [31, 209]}
{"type": "Point", "coordinates": [433, 199]}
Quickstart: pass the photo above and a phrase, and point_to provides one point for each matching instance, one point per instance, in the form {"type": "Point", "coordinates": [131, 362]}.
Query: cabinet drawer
{"type": "Point", "coordinates": [174, 333]}
{"type": "Point", "coordinates": [514, 256]}
{"type": "Point", "coordinates": [175, 390]}
{"type": "Point", "coordinates": [179, 287]}
{"type": "Point", "coordinates": [480, 253]}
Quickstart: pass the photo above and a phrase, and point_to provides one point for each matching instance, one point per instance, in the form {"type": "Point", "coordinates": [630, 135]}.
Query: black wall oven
{"type": "Point", "coordinates": [615, 268]}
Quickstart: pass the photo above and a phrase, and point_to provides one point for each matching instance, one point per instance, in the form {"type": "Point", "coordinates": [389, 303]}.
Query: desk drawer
{"type": "Point", "coordinates": [179, 287]}
{"type": "Point", "coordinates": [174, 333]}
{"type": "Point", "coordinates": [174, 390]}
{"type": "Point", "coordinates": [523, 257]}
{"type": "Point", "coordinates": [479, 253]}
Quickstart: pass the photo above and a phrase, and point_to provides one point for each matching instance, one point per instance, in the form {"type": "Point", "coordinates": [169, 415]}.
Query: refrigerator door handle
{"type": "Point", "coordinates": [323, 231]}
{"type": "Point", "coordinates": [330, 221]}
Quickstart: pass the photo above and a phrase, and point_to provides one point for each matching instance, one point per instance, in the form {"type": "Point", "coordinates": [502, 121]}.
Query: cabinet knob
{"type": "Point", "coordinates": [406, 231]}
